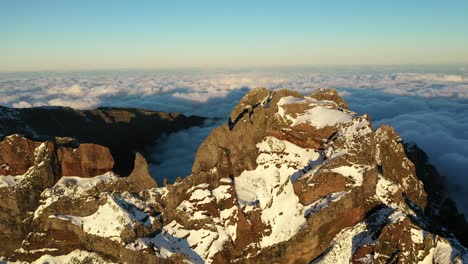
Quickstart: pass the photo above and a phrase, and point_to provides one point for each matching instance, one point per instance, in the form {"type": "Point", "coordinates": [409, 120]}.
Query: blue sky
{"type": "Point", "coordinates": [67, 35]}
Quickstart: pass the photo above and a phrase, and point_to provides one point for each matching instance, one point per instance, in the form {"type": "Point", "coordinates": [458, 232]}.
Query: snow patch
{"type": "Point", "coordinates": [71, 186]}
{"type": "Point", "coordinates": [385, 190]}
{"type": "Point", "coordinates": [198, 245]}
{"type": "Point", "coordinates": [10, 181]}
{"type": "Point", "coordinates": [110, 219]}
{"type": "Point", "coordinates": [445, 252]}
{"type": "Point", "coordinates": [320, 115]}
{"type": "Point", "coordinates": [222, 192]}
{"type": "Point", "coordinates": [323, 202]}
{"type": "Point", "coordinates": [76, 256]}
{"type": "Point", "coordinates": [417, 235]}
{"type": "Point", "coordinates": [356, 174]}
{"type": "Point", "coordinates": [344, 245]}
{"type": "Point", "coordinates": [269, 188]}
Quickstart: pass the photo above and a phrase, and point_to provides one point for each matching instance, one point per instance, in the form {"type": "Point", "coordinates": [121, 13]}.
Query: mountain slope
{"type": "Point", "coordinates": [288, 179]}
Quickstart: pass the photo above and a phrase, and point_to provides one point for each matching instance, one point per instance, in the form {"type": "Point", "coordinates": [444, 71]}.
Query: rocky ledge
{"type": "Point", "coordinates": [288, 179]}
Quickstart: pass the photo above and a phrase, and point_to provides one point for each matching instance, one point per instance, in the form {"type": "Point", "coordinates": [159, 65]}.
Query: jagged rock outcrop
{"type": "Point", "coordinates": [288, 179]}
{"type": "Point", "coordinates": [49, 165]}
{"type": "Point", "coordinates": [441, 209]}
{"type": "Point", "coordinates": [140, 179]}
{"type": "Point", "coordinates": [17, 155]}
{"type": "Point", "coordinates": [87, 160]}
{"type": "Point", "coordinates": [20, 194]}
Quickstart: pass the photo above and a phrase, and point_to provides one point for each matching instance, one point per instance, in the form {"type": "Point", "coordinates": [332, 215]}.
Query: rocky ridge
{"type": "Point", "coordinates": [123, 130]}
{"type": "Point", "coordinates": [289, 179]}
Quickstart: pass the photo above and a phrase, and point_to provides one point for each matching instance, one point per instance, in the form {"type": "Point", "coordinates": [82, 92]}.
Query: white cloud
{"type": "Point", "coordinates": [8, 98]}
{"type": "Point", "coordinates": [83, 103]}
{"type": "Point", "coordinates": [173, 155]}
{"type": "Point", "coordinates": [74, 90]}
{"type": "Point", "coordinates": [22, 104]}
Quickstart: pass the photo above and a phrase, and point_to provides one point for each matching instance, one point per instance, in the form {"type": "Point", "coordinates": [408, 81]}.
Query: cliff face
{"type": "Point", "coordinates": [288, 179]}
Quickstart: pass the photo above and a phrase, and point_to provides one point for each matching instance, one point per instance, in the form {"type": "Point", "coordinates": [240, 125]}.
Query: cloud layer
{"type": "Point", "coordinates": [156, 90]}
{"type": "Point", "coordinates": [427, 107]}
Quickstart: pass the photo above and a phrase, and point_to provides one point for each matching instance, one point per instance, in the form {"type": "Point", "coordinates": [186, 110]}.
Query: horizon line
{"type": "Point", "coordinates": [211, 68]}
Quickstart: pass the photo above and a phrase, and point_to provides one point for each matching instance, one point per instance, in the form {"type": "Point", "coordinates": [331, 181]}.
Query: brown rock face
{"type": "Point", "coordinates": [392, 158]}
{"type": "Point", "coordinates": [362, 254]}
{"type": "Point", "coordinates": [16, 155]}
{"type": "Point", "coordinates": [87, 160]}
{"type": "Point", "coordinates": [221, 148]}
{"type": "Point", "coordinates": [20, 195]}
{"type": "Point", "coordinates": [330, 95]}
{"type": "Point", "coordinates": [310, 190]}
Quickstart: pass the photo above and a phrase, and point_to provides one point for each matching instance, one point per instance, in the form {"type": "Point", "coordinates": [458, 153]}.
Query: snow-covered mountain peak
{"type": "Point", "coordinates": [288, 179]}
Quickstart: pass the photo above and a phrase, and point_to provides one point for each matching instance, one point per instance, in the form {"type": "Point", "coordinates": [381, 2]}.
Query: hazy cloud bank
{"type": "Point", "coordinates": [154, 89]}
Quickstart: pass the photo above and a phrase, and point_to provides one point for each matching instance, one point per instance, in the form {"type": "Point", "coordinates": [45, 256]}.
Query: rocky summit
{"type": "Point", "coordinates": [288, 179]}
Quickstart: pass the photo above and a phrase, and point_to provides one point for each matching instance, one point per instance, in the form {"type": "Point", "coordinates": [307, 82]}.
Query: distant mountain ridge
{"type": "Point", "coordinates": [289, 179]}
{"type": "Point", "coordinates": [123, 130]}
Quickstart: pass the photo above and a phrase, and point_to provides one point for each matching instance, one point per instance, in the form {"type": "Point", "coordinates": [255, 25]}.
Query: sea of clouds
{"type": "Point", "coordinates": [426, 106]}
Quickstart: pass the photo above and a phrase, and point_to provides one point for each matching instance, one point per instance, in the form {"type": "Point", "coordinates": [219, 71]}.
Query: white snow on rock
{"type": "Point", "coordinates": [268, 188]}
{"type": "Point", "coordinates": [222, 192]}
{"type": "Point", "coordinates": [397, 216]}
{"type": "Point", "coordinates": [110, 219]}
{"type": "Point", "coordinates": [199, 245]}
{"type": "Point", "coordinates": [353, 172]}
{"type": "Point", "coordinates": [353, 132]}
{"type": "Point", "coordinates": [417, 235]}
{"type": "Point", "coordinates": [191, 209]}
{"type": "Point", "coordinates": [385, 190]}
{"type": "Point", "coordinates": [200, 195]}
{"type": "Point", "coordinates": [344, 245]}
{"type": "Point", "coordinates": [320, 115]}
{"type": "Point", "coordinates": [71, 186]}
{"type": "Point", "coordinates": [11, 181]}
{"type": "Point", "coordinates": [76, 256]}
{"type": "Point", "coordinates": [225, 180]}
{"type": "Point", "coordinates": [200, 186]}
{"type": "Point", "coordinates": [79, 185]}
{"type": "Point", "coordinates": [202, 243]}
{"type": "Point", "coordinates": [22, 250]}
{"type": "Point", "coordinates": [444, 252]}
{"type": "Point", "coordinates": [323, 202]}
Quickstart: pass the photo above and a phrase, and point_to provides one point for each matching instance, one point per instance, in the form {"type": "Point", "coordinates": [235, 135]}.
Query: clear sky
{"type": "Point", "coordinates": [99, 34]}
